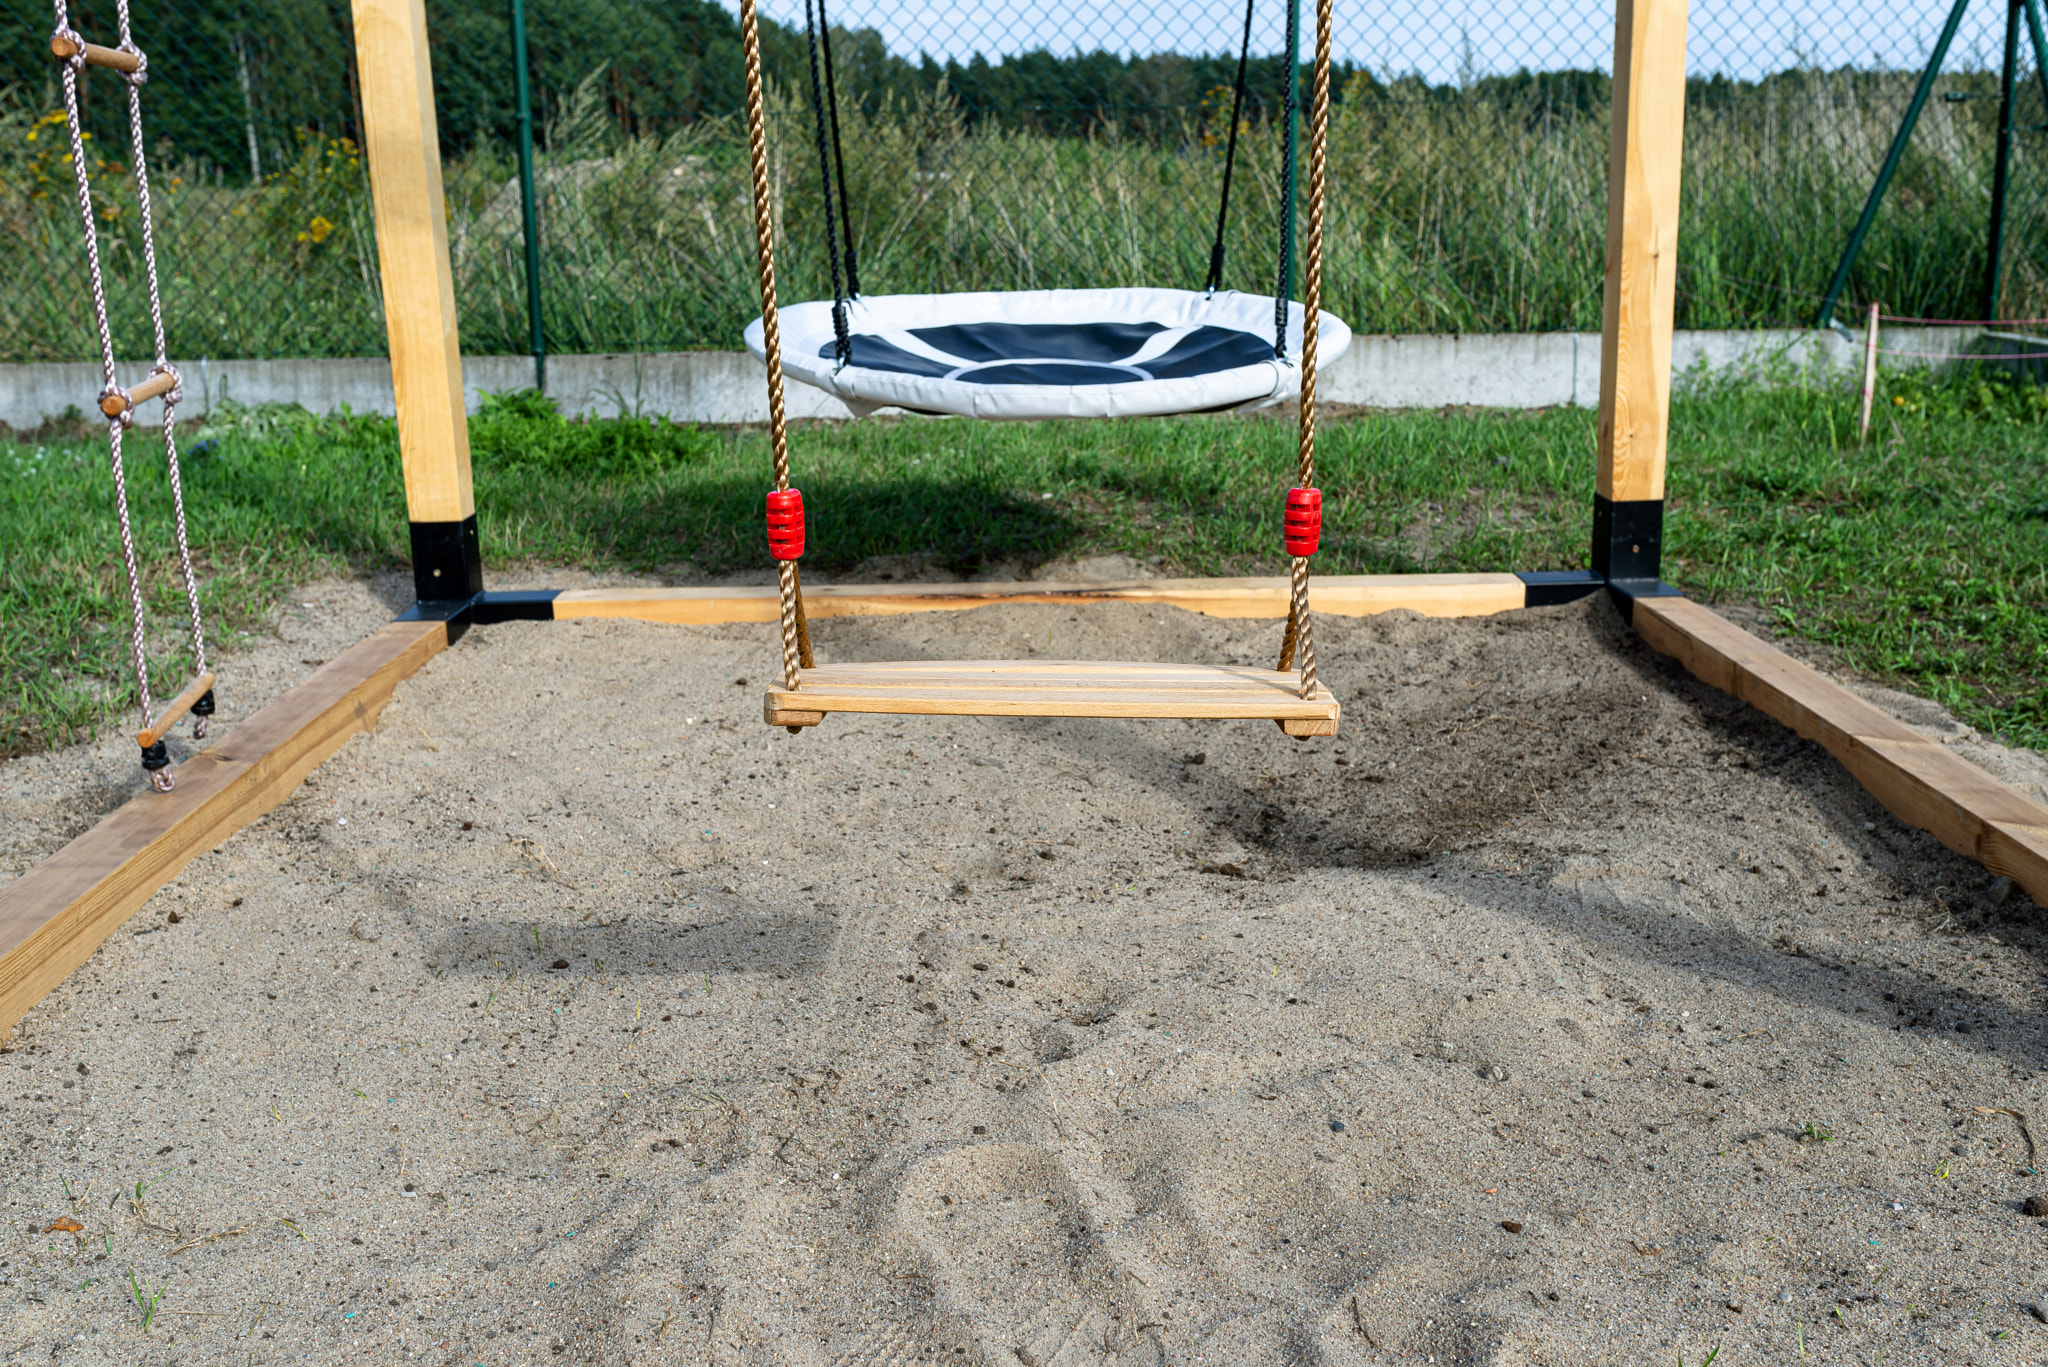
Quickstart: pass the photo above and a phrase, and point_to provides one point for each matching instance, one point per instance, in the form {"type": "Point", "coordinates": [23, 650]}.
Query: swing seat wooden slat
{"type": "Point", "coordinates": [1056, 688]}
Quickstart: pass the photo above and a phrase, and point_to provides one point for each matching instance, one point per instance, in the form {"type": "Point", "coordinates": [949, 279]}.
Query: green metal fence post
{"type": "Point", "coordinates": [528, 211]}
{"type": "Point", "coordinates": [2001, 168]}
{"type": "Point", "coordinates": [1826, 316]}
{"type": "Point", "coordinates": [2040, 41]}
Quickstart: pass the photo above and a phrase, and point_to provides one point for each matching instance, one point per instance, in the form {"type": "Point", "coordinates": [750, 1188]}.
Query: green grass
{"type": "Point", "coordinates": [1920, 559]}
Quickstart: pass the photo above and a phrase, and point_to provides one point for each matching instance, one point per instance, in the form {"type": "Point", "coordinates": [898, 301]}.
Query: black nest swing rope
{"type": "Point", "coordinates": [1283, 288]}
{"type": "Point", "coordinates": [1244, 54]}
{"type": "Point", "coordinates": [825, 113]}
{"type": "Point", "coordinates": [838, 157]}
{"type": "Point", "coordinates": [839, 212]}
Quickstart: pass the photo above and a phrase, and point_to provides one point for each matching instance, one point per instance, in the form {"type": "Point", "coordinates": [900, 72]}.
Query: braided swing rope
{"type": "Point", "coordinates": [796, 636]}
{"type": "Point", "coordinates": [1300, 637]}
{"type": "Point", "coordinates": [160, 777]}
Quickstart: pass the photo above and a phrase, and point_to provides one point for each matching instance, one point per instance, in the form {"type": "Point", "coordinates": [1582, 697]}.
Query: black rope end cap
{"type": "Point", "coordinates": [155, 757]}
{"type": "Point", "coordinates": [204, 707]}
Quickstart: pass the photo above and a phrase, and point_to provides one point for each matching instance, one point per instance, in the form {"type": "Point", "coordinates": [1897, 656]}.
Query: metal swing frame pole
{"type": "Point", "coordinates": [2001, 169]}
{"type": "Point", "coordinates": [529, 209]}
{"type": "Point", "coordinates": [1825, 317]}
{"type": "Point", "coordinates": [2039, 39]}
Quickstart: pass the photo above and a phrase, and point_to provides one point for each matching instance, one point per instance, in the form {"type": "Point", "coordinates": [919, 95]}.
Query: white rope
{"type": "Point", "coordinates": [73, 67]}
{"type": "Point", "coordinates": [163, 364]}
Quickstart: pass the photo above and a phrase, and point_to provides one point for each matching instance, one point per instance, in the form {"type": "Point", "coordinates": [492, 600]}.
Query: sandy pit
{"type": "Point", "coordinates": [1562, 1011]}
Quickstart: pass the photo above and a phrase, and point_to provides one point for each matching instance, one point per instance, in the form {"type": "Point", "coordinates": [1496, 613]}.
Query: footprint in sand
{"type": "Point", "coordinates": [1014, 1261]}
{"type": "Point", "coordinates": [894, 1345]}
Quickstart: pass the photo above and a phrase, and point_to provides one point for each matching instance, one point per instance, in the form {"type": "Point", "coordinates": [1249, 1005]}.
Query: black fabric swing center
{"type": "Point", "coordinates": [1059, 353]}
{"type": "Point", "coordinates": [878, 354]}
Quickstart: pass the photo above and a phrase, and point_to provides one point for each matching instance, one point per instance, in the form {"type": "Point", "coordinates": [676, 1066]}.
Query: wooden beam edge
{"type": "Point", "coordinates": [1920, 781]}
{"type": "Point", "coordinates": [2020, 852]}
{"type": "Point", "coordinates": [54, 916]}
{"type": "Point", "coordinates": [1043, 701]}
{"type": "Point", "coordinates": [1352, 595]}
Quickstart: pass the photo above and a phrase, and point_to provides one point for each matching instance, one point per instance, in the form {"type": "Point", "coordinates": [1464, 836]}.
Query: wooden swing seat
{"type": "Point", "coordinates": [1056, 688]}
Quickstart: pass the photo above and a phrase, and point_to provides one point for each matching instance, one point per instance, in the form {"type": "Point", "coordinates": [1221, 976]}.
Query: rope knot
{"type": "Point", "coordinates": [139, 76]}
{"type": "Point", "coordinates": [124, 417]}
{"type": "Point", "coordinates": [67, 44]}
{"type": "Point", "coordinates": [842, 339]}
{"type": "Point", "coordinates": [156, 762]}
{"type": "Point", "coordinates": [176, 393]}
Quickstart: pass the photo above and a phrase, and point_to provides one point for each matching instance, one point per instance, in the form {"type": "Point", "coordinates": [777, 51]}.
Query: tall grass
{"type": "Point", "coordinates": [1447, 213]}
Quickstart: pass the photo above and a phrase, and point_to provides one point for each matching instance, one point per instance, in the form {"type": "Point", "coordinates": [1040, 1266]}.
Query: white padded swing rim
{"type": "Point", "coordinates": [807, 329]}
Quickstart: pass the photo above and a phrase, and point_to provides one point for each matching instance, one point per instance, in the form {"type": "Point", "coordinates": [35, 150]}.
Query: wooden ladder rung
{"type": "Point", "coordinates": [1055, 688]}
{"type": "Point", "coordinates": [178, 707]}
{"type": "Point", "coordinates": [64, 49]}
{"type": "Point", "coordinates": [113, 405]}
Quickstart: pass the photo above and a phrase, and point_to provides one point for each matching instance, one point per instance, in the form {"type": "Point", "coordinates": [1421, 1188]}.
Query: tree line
{"type": "Point", "coordinates": [232, 84]}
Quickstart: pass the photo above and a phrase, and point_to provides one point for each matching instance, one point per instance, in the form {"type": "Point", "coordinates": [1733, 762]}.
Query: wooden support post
{"type": "Point", "coordinates": [403, 145]}
{"type": "Point", "coordinates": [1644, 158]}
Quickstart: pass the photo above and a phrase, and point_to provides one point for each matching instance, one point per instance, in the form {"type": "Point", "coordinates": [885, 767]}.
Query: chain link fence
{"type": "Point", "coordinates": [1070, 143]}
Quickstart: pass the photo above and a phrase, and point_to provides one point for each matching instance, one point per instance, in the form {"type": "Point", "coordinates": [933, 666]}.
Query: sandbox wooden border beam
{"type": "Point", "coordinates": [1920, 781]}
{"type": "Point", "coordinates": [54, 916]}
{"type": "Point", "coordinates": [1350, 595]}
{"type": "Point", "coordinates": [1344, 595]}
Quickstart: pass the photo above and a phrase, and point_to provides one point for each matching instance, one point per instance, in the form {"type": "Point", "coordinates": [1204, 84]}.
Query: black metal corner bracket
{"type": "Point", "coordinates": [1628, 550]}
{"type": "Point", "coordinates": [454, 611]}
{"type": "Point", "coordinates": [484, 609]}
{"type": "Point", "coordinates": [1548, 588]}
{"type": "Point", "coordinates": [447, 561]}
{"type": "Point", "coordinates": [1625, 592]}
{"type": "Point", "coordinates": [1628, 538]}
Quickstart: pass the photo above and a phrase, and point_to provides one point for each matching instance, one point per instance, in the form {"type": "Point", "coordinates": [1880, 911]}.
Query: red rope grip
{"type": "Point", "coordinates": [1302, 527]}
{"type": "Point", "coordinates": [786, 524]}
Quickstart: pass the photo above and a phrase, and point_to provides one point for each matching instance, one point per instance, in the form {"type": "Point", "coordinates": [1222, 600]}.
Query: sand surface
{"type": "Point", "coordinates": [1561, 1011]}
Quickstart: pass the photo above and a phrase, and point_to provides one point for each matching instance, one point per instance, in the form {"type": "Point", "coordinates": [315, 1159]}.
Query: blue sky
{"type": "Point", "coordinates": [1439, 40]}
